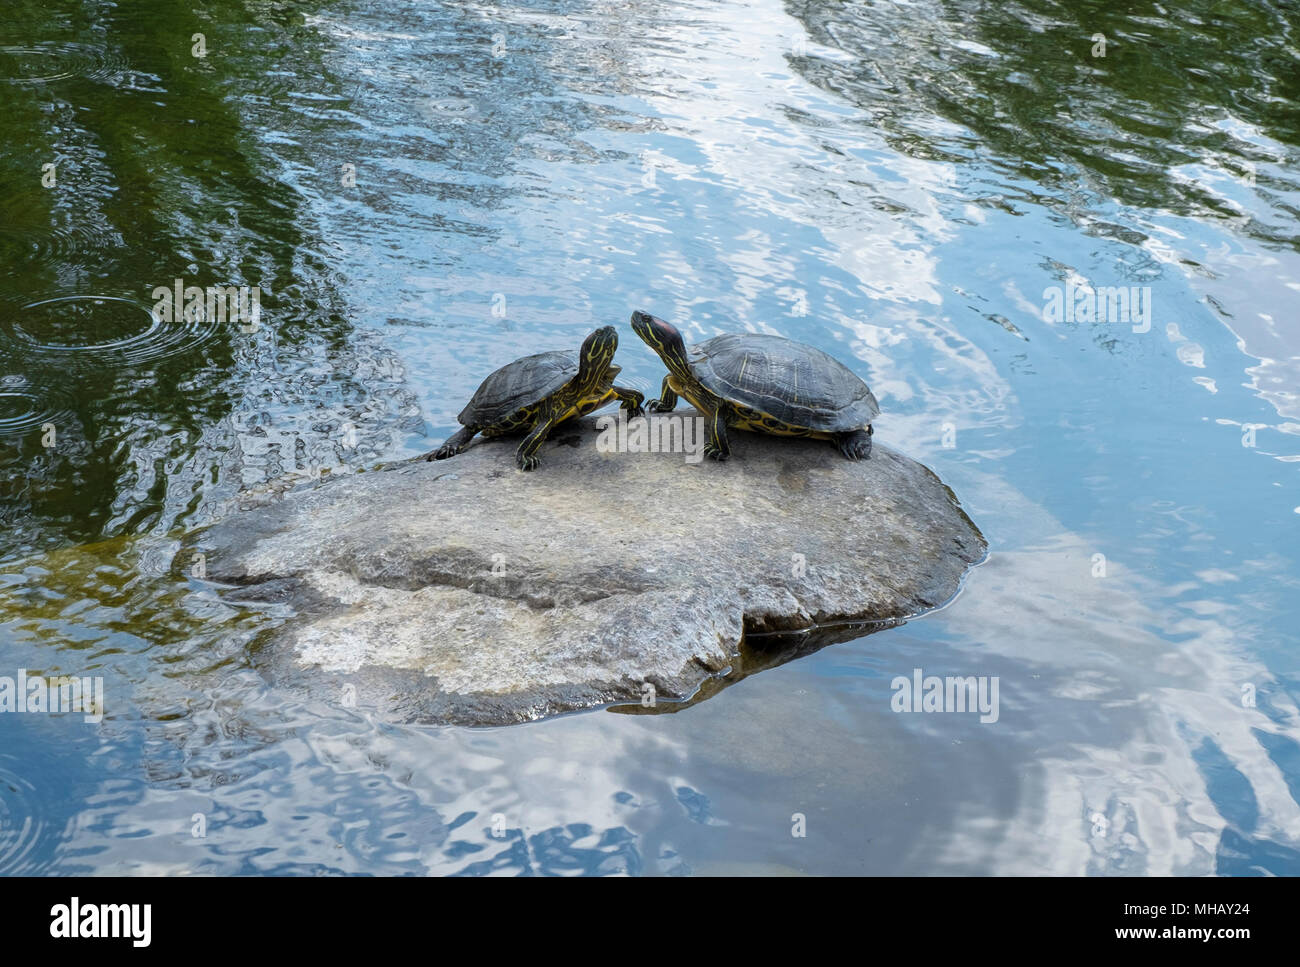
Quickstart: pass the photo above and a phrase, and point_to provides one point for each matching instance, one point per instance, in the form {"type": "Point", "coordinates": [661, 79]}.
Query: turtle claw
{"type": "Point", "coordinates": [714, 453]}
{"type": "Point", "coordinates": [855, 446]}
{"type": "Point", "coordinates": [633, 412]}
{"type": "Point", "coordinates": [529, 462]}
{"type": "Point", "coordinates": [852, 450]}
{"type": "Point", "coordinates": [454, 444]}
{"type": "Point", "coordinates": [657, 406]}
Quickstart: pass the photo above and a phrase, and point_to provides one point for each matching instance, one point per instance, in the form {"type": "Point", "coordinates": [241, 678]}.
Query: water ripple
{"type": "Point", "coordinates": [22, 826]}
{"type": "Point", "coordinates": [102, 329]}
{"type": "Point", "coordinates": [25, 406]}
{"type": "Point", "coordinates": [46, 63]}
{"type": "Point", "coordinates": [69, 245]}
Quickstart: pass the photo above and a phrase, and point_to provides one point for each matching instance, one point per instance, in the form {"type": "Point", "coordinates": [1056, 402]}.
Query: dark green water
{"type": "Point", "coordinates": [901, 184]}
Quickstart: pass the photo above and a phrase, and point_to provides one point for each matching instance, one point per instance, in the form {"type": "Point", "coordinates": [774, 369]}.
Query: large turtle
{"type": "Point", "coordinates": [536, 393]}
{"type": "Point", "coordinates": [768, 384]}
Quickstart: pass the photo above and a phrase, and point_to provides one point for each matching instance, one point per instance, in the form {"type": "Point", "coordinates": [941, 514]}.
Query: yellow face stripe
{"type": "Point", "coordinates": [656, 343]}
{"type": "Point", "coordinates": [586, 405]}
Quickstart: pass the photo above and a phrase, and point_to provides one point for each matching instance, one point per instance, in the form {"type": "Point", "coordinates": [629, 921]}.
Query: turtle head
{"type": "Point", "coordinates": [663, 338]}
{"type": "Point", "coordinates": [595, 357]}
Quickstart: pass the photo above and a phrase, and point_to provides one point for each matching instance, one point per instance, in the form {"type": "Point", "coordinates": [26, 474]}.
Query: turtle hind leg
{"type": "Point", "coordinates": [454, 445]}
{"type": "Point", "coordinates": [855, 445]}
{"type": "Point", "coordinates": [667, 399]}
{"type": "Point", "coordinates": [715, 435]}
{"type": "Point", "coordinates": [631, 401]}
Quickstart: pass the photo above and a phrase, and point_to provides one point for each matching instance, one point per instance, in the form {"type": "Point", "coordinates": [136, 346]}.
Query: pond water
{"type": "Point", "coordinates": [425, 190]}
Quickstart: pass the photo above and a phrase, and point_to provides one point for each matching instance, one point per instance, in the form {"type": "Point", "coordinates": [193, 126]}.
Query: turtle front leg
{"type": "Point", "coordinates": [454, 445]}
{"type": "Point", "coordinates": [631, 401]}
{"type": "Point", "coordinates": [667, 399]}
{"type": "Point", "coordinates": [715, 435]}
{"type": "Point", "coordinates": [855, 445]}
{"type": "Point", "coordinates": [526, 457]}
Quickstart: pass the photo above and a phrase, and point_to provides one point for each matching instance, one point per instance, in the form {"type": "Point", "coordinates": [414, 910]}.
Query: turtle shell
{"type": "Point", "coordinates": [515, 386]}
{"type": "Point", "coordinates": [793, 383]}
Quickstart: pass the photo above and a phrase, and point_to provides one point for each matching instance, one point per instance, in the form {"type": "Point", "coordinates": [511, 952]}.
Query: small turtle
{"type": "Point", "coordinates": [536, 393]}
{"type": "Point", "coordinates": [767, 384]}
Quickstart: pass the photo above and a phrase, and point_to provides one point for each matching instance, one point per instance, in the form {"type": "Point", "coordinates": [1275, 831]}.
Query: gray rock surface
{"type": "Point", "coordinates": [467, 591]}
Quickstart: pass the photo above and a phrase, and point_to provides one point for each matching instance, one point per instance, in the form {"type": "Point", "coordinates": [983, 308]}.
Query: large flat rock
{"type": "Point", "coordinates": [467, 591]}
